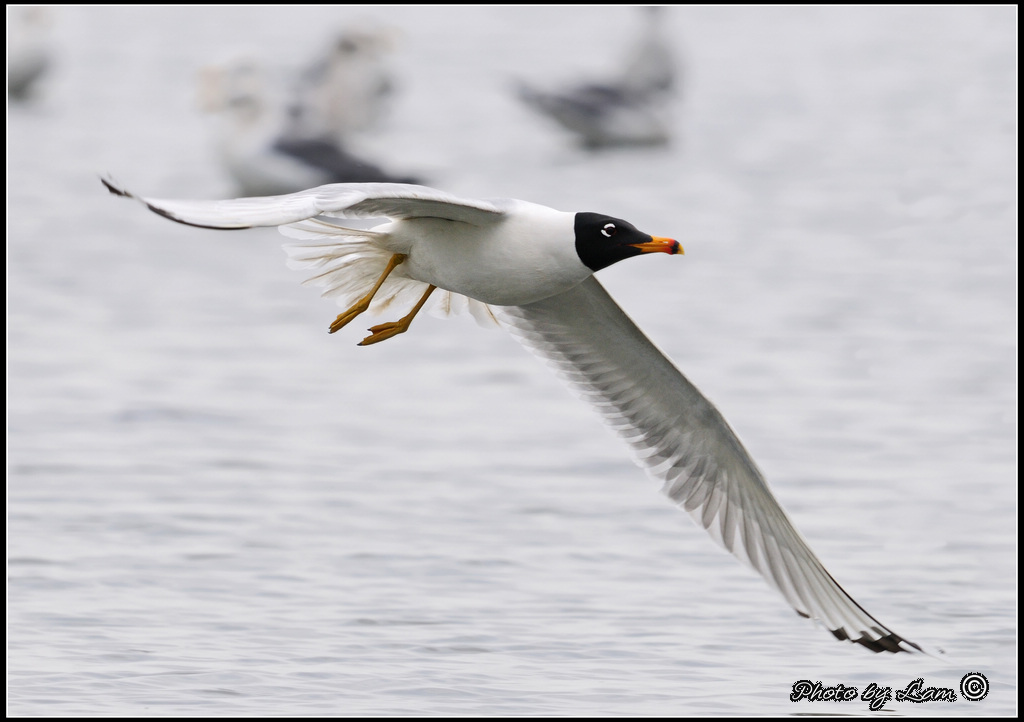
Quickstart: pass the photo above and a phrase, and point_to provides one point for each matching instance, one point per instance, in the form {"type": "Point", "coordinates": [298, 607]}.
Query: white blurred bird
{"type": "Point", "coordinates": [632, 108]}
{"type": "Point", "coordinates": [347, 89]}
{"type": "Point", "coordinates": [259, 143]}
{"type": "Point", "coordinates": [532, 268]}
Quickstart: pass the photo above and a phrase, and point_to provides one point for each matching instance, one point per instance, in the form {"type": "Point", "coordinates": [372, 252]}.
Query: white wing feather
{"type": "Point", "coordinates": [343, 200]}
{"type": "Point", "coordinates": [347, 260]}
{"type": "Point", "coordinates": [681, 439]}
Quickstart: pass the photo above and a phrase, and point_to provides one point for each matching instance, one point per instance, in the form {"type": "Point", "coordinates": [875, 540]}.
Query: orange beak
{"type": "Point", "coordinates": [659, 245]}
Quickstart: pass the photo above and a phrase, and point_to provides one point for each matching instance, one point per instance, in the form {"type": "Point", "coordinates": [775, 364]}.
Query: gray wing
{"type": "Point", "coordinates": [681, 439]}
{"type": "Point", "coordinates": [342, 200]}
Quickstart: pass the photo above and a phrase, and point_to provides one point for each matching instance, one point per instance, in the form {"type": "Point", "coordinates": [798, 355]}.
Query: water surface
{"type": "Point", "coordinates": [215, 508]}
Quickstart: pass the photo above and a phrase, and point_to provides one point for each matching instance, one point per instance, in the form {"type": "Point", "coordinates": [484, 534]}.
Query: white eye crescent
{"type": "Point", "coordinates": [609, 230]}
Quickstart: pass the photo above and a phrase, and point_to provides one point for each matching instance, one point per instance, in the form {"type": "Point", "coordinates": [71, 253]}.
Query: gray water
{"type": "Point", "coordinates": [216, 508]}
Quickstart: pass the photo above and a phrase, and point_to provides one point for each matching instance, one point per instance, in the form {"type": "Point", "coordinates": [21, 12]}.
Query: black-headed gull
{"type": "Point", "coordinates": [532, 268]}
{"type": "Point", "coordinates": [632, 108]}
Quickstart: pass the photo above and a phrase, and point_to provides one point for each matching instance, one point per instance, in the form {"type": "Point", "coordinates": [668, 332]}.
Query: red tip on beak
{"type": "Point", "coordinates": [659, 245]}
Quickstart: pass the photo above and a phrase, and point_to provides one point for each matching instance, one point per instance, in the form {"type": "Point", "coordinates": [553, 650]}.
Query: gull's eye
{"type": "Point", "coordinates": [609, 230]}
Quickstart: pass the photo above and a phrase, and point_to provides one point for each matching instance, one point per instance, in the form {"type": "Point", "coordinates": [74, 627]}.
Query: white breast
{"type": "Point", "coordinates": [528, 255]}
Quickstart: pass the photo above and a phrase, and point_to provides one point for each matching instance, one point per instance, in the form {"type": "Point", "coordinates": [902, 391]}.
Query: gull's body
{"type": "Point", "coordinates": [604, 115]}
{"type": "Point", "coordinates": [531, 268]}
{"type": "Point", "coordinates": [504, 253]}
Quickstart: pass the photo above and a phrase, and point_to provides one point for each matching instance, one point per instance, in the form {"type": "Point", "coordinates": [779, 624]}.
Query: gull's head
{"type": "Point", "coordinates": [603, 240]}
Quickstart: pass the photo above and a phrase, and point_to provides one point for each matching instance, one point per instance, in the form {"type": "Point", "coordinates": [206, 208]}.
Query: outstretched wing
{"type": "Point", "coordinates": [342, 200]}
{"type": "Point", "coordinates": [681, 439]}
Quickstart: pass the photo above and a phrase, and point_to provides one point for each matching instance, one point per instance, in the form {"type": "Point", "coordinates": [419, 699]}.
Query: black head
{"type": "Point", "coordinates": [602, 240]}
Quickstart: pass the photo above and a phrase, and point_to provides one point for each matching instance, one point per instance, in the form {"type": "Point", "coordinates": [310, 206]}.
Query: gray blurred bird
{"type": "Point", "coordinates": [29, 52]}
{"type": "Point", "coordinates": [259, 142]}
{"type": "Point", "coordinates": [346, 89]}
{"type": "Point", "coordinates": [632, 108]}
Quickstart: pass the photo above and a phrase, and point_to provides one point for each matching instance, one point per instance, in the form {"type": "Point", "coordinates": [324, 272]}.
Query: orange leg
{"type": "Point", "coordinates": [387, 330]}
{"type": "Point", "coordinates": [364, 303]}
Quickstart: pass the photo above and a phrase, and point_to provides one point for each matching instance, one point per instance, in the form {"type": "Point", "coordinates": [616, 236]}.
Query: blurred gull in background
{"type": "Point", "coordinates": [629, 109]}
{"type": "Point", "coordinates": [29, 53]}
{"type": "Point", "coordinates": [347, 89]}
{"type": "Point", "coordinates": [262, 145]}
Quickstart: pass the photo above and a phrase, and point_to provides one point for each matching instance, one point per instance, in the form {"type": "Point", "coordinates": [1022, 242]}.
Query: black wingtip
{"type": "Point", "coordinates": [886, 642]}
{"type": "Point", "coordinates": [122, 193]}
{"type": "Point", "coordinates": [172, 217]}
{"type": "Point", "coordinates": [114, 189]}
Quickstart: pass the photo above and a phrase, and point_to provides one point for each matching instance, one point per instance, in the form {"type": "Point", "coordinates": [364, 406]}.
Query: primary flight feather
{"type": "Point", "coordinates": [530, 268]}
